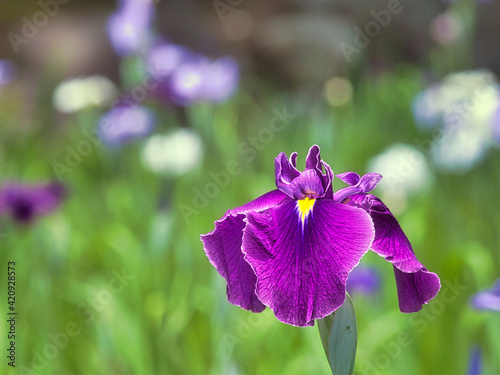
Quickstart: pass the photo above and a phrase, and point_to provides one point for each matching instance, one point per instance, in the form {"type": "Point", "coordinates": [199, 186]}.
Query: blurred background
{"type": "Point", "coordinates": [128, 128]}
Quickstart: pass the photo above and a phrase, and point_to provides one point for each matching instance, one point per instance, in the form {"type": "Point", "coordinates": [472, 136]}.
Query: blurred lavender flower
{"type": "Point", "coordinates": [124, 123]}
{"type": "Point", "coordinates": [363, 280]}
{"type": "Point", "coordinates": [24, 202]}
{"type": "Point", "coordinates": [128, 27]}
{"type": "Point", "coordinates": [463, 105]}
{"type": "Point", "coordinates": [186, 77]}
{"type": "Point", "coordinates": [488, 299]}
{"type": "Point", "coordinates": [475, 362]}
{"type": "Point", "coordinates": [203, 80]}
{"type": "Point", "coordinates": [7, 69]}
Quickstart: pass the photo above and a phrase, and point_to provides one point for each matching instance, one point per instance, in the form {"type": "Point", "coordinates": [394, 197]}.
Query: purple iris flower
{"type": "Point", "coordinates": [363, 280]}
{"type": "Point", "coordinates": [7, 69]}
{"type": "Point", "coordinates": [292, 248]}
{"type": "Point", "coordinates": [24, 202]}
{"type": "Point", "coordinates": [185, 77]}
{"type": "Point", "coordinates": [128, 27]}
{"type": "Point", "coordinates": [124, 123]}
{"type": "Point", "coordinates": [488, 299]}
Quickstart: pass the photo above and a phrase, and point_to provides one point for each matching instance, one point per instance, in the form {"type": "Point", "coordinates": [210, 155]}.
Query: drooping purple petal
{"type": "Point", "coordinates": [223, 249]}
{"type": "Point", "coordinates": [302, 262]}
{"type": "Point", "coordinates": [488, 299]}
{"type": "Point", "coordinates": [124, 123]}
{"type": "Point", "coordinates": [24, 202]}
{"type": "Point", "coordinates": [416, 286]}
{"type": "Point", "coordinates": [363, 280]}
{"type": "Point", "coordinates": [128, 27]}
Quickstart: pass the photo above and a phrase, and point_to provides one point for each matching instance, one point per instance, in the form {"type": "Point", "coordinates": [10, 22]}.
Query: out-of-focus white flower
{"type": "Point", "coordinates": [72, 95]}
{"type": "Point", "coordinates": [463, 105]}
{"type": "Point", "coordinates": [405, 171]}
{"type": "Point", "coordinates": [176, 152]}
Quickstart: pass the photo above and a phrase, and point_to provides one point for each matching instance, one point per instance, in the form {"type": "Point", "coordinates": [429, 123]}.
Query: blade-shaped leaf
{"type": "Point", "coordinates": [339, 335]}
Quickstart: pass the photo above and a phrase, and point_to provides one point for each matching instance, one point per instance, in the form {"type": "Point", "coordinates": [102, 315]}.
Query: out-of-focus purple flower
{"type": "Point", "coordinates": [129, 27]}
{"type": "Point", "coordinates": [475, 362]}
{"type": "Point", "coordinates": [185, 77]}
{"type": "Point", "coordinates": [24, 202]}
{"type": "Point", "coordinates": [165, 57]}
{"type": "Point", "coordinates": [292, 248]}
{"type": "Point", "coordinates": [124, 123]}
{"type": "Point", "coordinates": [363, 280]}
{"type": "Point", "coordinates": [7, 69]}
{"type": "Point", "coordinates": [200, 80]}
{"type": "Point", "coordinates": [488, 299]}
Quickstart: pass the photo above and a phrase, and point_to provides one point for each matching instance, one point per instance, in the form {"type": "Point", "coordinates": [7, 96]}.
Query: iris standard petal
{"type": "Point", "coordinates": [223, 248]}
{"type": "Point", "coordinates": [358, 184]}
{"type": "Point", "coordinates": [285, 171]}
{"type": "Point", "coordinates": [302, 253]}
{"type": "Point", "coordinates": [312, 181]}
{"type": "Point", "coordinates": [416, 286]}
{"type": "Point", "coordinates": [314, 162]}
{"type": "Point", "coordinates": [307, 184]}
{"type": "Point", "coordinates": [350, 178]}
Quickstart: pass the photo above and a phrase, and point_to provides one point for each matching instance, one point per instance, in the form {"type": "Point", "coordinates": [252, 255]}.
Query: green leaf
{"type": "Point", "coordinates": [339, 335]}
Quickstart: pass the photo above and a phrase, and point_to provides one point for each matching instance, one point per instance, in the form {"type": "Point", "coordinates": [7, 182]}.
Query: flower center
{"type": "Point", "coordinates": [305, 206]}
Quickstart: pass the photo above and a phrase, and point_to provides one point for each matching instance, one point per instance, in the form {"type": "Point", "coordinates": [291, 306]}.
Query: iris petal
{"type": "Point", "coordinates": [416, 286]}
{"type": "Point", "coordinates": [223, 249]}
{"type": "Point", "coordinates": [302, 268]}
{"type": "Point", "coordinates": [357, 184]}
